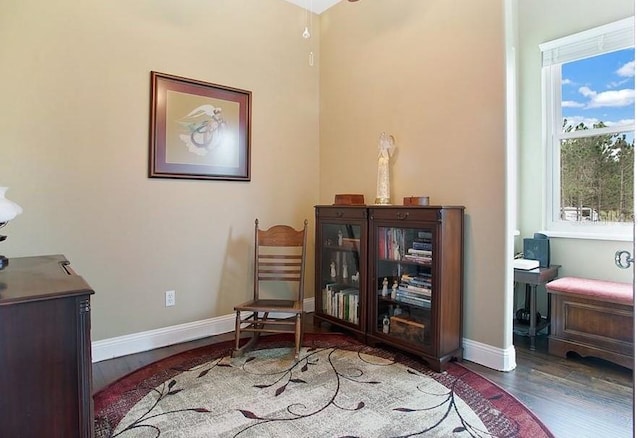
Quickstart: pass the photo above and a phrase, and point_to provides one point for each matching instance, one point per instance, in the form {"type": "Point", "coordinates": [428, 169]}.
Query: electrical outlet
{"type": "Point", "coordinates": [170, 298]}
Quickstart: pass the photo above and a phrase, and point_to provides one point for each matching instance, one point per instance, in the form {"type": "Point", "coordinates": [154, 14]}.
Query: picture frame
{"type": "Point", "coordinates": [198, 130]}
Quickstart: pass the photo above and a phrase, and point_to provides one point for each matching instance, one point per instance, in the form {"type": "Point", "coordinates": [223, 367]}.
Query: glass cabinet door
{"type": "Point", "coordinates": [340, 271]}
{"type": "Point", "coordinates": [403, 276]}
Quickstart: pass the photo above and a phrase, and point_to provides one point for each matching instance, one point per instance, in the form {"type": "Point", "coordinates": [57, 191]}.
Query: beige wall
{"type": "Point", "coordinates": [74, 139]}
{"type": "Point", "coordinates": [74, 82]}
{"type": "Point", "coordinates": [432, 74]}
{"type": "Point", "coordinates": [540, 21]}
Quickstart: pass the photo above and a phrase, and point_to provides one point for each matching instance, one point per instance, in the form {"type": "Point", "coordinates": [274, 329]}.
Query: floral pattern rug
{"type": "Point", "coordinates": [337, 387]}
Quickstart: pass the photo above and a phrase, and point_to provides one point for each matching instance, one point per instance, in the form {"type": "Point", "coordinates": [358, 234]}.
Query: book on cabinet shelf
{"type": "Point", "coordinates": [391, 243]}
{"type": "Point", "coordinates": [341, 302]}
{"type": "Point", "coordinates": [415, 300]}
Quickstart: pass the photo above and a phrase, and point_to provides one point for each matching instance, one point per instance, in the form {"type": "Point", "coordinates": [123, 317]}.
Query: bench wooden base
{"type": "Point", "coordinates": [589, 323]}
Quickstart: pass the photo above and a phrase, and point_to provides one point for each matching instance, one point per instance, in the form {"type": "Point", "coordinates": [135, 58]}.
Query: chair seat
{"type": "Point", "coordinates": [265, 305]}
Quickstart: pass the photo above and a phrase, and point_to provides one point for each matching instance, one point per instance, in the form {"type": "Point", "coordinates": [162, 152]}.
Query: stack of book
{"type": "Point", "coordinates": [415, 289]}
{"type": "Point", "coordinates": [421, 247]}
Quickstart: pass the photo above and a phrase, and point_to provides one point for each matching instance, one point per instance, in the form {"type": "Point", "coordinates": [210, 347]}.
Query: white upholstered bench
{"type": "Point", "coordinates": [592, 318]}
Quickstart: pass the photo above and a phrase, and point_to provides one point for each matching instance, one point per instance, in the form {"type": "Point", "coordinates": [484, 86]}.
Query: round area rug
{"type": "Point", "coordinates": [338, 387]}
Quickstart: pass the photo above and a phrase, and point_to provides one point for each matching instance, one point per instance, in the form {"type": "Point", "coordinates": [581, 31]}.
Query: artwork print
{"type": "Point", "coordinates": [198, 130]}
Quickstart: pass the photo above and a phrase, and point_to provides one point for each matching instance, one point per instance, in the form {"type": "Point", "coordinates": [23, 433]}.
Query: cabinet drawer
{"type": "Point", "coordinates": [406, 214]}
{"type": "Point", "coordinates": [341, 212]}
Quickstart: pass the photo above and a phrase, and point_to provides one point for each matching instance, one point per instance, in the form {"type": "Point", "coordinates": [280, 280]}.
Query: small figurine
{"type": "Point", "coordinates": [396, 251]}
{"type": "Point", "coordinates": [355, 278]}
{"type": "Point", "coordinates": [397, 311]}
{"type": "Point", "coordinates": [334, 274]}
{"type": "Point", "coordinates": [345, 271]}
{"type": "Point", "coordinates": [385, 287]}
{"type": "Point", "coordinates": [339, 237]}
{"type": "Point", "coordinates": [385, 324]}
{"type": "Point", "coordinates": [394, 289]}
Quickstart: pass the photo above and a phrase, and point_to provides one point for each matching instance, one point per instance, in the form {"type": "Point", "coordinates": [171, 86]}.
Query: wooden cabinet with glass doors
{"type": "Point", "coordinates": [393, 275]}
{"type": "Point", "coordinates": [415, 287]}
{"type": "Point", "coordinates": [341, 243]}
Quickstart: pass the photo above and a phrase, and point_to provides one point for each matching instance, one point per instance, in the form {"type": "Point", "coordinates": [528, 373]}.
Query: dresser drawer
{"type": "Point", "coordinates": [423, 214]}
{"type": "Point", "coordinates": [341, 212]}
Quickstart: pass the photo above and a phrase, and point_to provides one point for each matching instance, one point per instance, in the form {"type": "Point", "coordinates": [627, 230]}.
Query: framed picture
{"type": "Point", "coordinates": [199, 130]}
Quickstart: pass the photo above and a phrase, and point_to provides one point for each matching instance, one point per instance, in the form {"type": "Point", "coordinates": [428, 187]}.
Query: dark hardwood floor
{"type": "Point", "coordinates": [574, 397]}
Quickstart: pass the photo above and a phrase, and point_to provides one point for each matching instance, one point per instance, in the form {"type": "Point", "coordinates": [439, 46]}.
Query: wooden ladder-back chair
{"type": "Point", "coordinates": [279, 256]}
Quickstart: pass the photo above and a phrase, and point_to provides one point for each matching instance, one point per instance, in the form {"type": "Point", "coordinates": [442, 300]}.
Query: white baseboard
{"type": "Point", "coordinates": [483, 354]}
{"type": "Point", "coordinates": [151, 339]}
{"type": "Point", "coordinates": [501, 359]}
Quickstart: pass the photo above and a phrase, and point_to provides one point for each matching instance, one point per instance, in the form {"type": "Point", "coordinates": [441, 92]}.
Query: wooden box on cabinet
{"type": "Point", "coordinates": [419, 251]}
{"type": "Point", "coordinates": [45, 350]}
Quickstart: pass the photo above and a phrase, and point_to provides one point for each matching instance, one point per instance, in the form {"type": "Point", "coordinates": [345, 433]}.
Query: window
{"type": "Point", "coordinates": [588, 84]}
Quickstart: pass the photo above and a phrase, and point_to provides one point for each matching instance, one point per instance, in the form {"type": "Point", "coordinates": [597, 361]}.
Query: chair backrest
{"type": "Point", "coordinates": [280, 255]}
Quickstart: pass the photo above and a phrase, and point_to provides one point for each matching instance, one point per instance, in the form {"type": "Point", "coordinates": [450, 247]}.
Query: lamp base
{"type": "Point", "coordinates": [4, 262]}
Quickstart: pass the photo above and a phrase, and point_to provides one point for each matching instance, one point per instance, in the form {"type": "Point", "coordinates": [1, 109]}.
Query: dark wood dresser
{"type": "Point", "coordinates": [45, 350]}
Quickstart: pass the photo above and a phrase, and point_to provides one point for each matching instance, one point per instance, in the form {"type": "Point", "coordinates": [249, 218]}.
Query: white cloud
{"type": "Point", "coordinates": [567, 82]}
{"type": "Point", "coordinates": [613, 98]}
{"type": "Point", "coordinates": [587, 92]}
{"type": "Point", "coordinates": [619, 122]}
{"type": "Point", "coordinates": [628, 70]}
{"type": "Point", "coordinates": [575, 121]}
{"type": "Point", "coordinates": [590, 121]}
{"type": "Point", "coordinates": [572, 104]}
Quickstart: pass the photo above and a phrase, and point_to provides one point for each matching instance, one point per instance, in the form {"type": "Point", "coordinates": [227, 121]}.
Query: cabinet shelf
{"type": "Point", "coordinates": [406, 262]}
{"type": "Point", "coordinates": [425, 318]}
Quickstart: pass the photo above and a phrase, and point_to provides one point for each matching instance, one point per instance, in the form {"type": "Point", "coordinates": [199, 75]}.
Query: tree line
{"type": "Point", "coordinates": [597, 176]}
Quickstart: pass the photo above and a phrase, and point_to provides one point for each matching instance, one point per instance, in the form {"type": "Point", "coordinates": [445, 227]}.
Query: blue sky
{"type": "Point", "coordinates": [601, 88]}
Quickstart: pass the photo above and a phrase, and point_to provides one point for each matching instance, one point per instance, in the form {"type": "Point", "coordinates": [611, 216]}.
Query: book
{"type": "Point", "coordinates": [415, 289]}
{"type": "Point", "coordinates": [414, 301]}
{"type": "Point", "coordinates": [418, 259]}
{"type": "Point", "coordinates": [427, 246]}
{"type": "Point", "coordinates": [420, 252]}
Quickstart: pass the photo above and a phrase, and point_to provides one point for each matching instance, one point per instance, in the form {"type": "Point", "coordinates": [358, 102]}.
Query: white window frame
{"type": "Point", "coordinates": [604, 39]}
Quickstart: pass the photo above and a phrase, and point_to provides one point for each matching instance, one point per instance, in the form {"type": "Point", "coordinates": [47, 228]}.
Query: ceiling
{"type": "Point", "coordinates": [316, 6]}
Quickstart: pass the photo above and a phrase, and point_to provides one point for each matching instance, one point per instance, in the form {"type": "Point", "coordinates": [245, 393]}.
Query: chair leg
{"type": "Point", "coordinates": [298, 335]}
{"type": "Point", "coordinates": [237, 332]}
{"type": "Point", "coordinates": [239, 351]}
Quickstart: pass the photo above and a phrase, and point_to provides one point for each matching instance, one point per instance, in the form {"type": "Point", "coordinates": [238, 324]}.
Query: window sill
{"type": "Point", "coordinates": [614, 237]}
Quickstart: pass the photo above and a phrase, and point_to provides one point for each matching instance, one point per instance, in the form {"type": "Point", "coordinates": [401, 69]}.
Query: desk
{"type": "Point", "coordinates": [532, 279]}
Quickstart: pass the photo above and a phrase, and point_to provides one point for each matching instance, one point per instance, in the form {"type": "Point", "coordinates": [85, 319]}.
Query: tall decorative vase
{"type": "Point", "coordinates": [386, 147]}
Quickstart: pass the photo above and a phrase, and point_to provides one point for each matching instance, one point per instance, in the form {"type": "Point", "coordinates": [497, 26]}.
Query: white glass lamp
{"type": "Point", "coordinates": [8, 211]}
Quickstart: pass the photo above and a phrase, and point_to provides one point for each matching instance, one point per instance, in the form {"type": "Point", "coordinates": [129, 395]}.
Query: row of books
{"type": "Point", "coordinates": [393, 245]}
{"type": "Point", "coordinates": [341, 303]}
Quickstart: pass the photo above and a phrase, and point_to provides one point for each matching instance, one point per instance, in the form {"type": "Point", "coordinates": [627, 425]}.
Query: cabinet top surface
{"type": "Point", "coordinates": [436, 207]}
{"type": "Point", "coordinates": [39, 278]}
